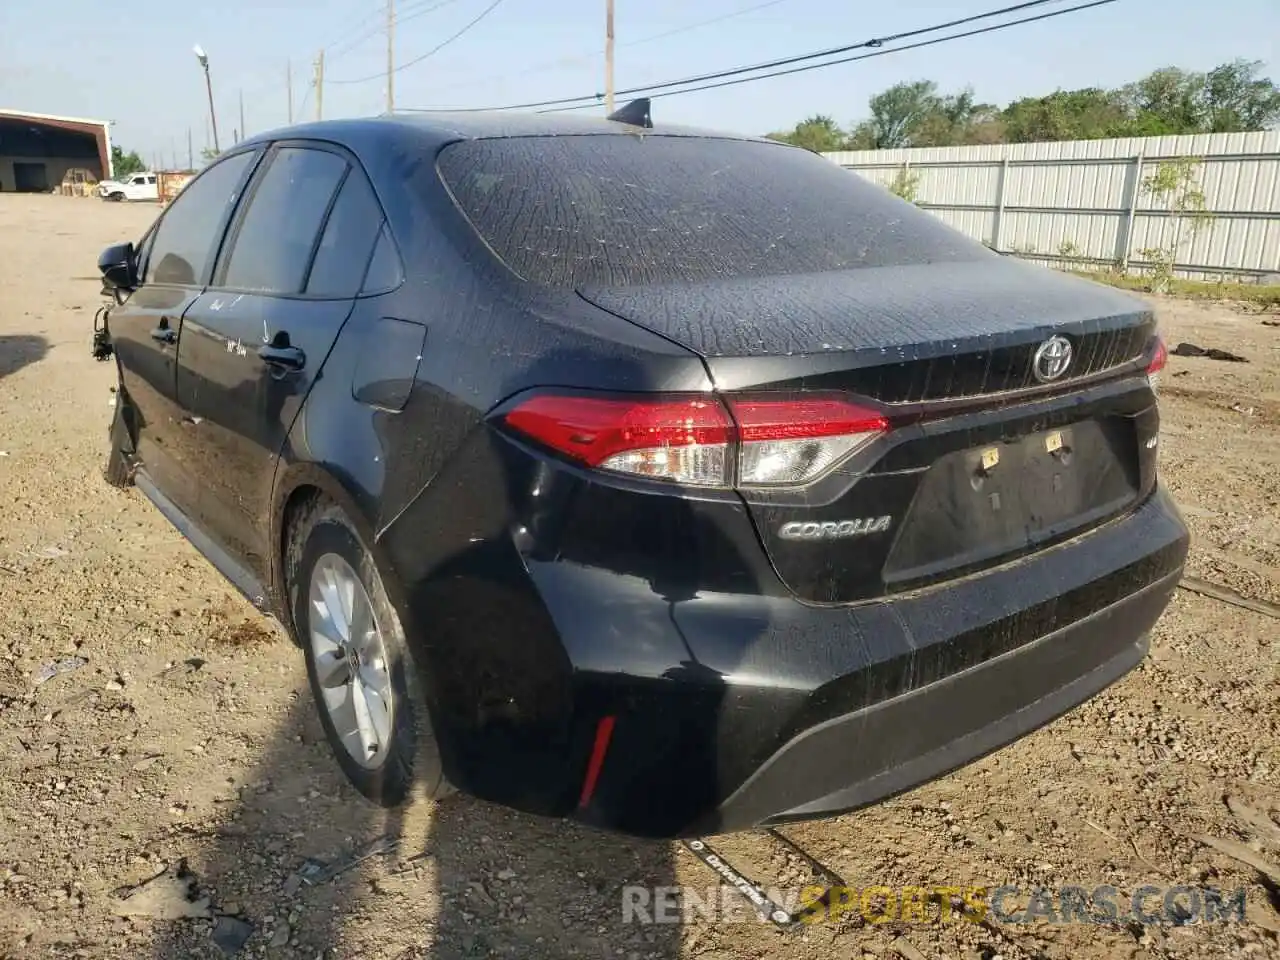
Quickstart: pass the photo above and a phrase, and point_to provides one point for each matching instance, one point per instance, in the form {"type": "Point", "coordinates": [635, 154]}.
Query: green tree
{"type": "Point", "coordinates": [126, 164]}
{"type": "Point", "coordinates": [1087, 114]}
{"type": "Point", "coordinates": [1168, 101]}
{"type": "Point", "coordinates": [819, 133]}
{"type": "Point", "coordinates": [897, 114]}
{"type": "Point", "coordinates": [915, 115]}
{"type": "Point", "coordinates": [1237, 99]}
{"type": "Point", "coordinates": [952, 120]}
{"type": "Point", "coordinates": [1229, 98]}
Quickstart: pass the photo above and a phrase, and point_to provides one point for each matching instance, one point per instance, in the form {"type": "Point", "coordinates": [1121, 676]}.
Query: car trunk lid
{"type": "Point", "coordinates": [986, 459]}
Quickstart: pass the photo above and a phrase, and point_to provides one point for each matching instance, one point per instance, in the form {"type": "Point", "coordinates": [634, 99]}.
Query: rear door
{"type": "Point", "coordinates": [254, 343]}
{"type": "Point", "coordinates": [176, 259]}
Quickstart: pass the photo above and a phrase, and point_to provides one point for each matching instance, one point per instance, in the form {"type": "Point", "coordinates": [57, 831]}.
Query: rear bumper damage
{"type": "Point", "coordinates": [841, 707]}
{"type": "Point", "coordinates": [672, 686]}
{"type": "Point", "coordinates": [866, 756]}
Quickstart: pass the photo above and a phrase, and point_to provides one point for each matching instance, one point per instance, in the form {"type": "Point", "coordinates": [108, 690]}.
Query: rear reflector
{"type": "Point", "coordinates": [604, 732]}
{"type": "Point", "coordinates": [697, 440]}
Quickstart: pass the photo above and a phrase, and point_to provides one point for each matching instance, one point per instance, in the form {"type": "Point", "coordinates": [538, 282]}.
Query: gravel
{"type": "Point", "coordinates": [186, 732]}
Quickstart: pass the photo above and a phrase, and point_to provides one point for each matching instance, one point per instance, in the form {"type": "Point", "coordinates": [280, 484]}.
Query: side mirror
{"type": "Point", "coordinates": [119, 266]}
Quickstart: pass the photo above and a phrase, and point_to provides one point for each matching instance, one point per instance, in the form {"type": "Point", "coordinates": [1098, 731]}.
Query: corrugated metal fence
{"type": "Point", "coordinates": [1082, 201]}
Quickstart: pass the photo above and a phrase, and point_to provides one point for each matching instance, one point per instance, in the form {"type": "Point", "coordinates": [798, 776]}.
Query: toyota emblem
{"type": "Point", "coordinates": [1052, 359]}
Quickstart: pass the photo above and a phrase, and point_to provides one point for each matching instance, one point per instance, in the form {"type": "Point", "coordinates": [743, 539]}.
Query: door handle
{"type": "Point", "coordinates": [164, 333]}
{"type": "Point", "coordinates": [287, 358]}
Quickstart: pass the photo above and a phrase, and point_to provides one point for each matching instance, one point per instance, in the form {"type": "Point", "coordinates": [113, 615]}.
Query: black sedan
{"type": "Point", "coordinates": [669, 480]}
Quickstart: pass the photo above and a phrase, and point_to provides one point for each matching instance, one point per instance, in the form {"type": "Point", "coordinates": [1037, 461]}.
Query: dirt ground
{"type": "Point", "coordinates": [187, 735]}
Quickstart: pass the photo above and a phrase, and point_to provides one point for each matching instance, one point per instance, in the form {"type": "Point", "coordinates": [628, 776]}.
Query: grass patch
{"type": "Point", "coordinates": [1261, 296]}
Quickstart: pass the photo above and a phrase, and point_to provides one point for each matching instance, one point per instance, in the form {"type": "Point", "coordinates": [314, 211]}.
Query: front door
{"type": "Point", "coordinates": [254, 343]}
{"type": "Point", "coordinates": [176, 259]}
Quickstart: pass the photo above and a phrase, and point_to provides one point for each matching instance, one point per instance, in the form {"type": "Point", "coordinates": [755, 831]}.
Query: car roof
{"type": "Point", "coordinates": [432, 128]}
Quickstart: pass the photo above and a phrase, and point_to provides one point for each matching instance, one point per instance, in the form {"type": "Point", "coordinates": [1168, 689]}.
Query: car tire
{"type": "Point", "coordinates": [115, 197]}
{"type": "Point", "coordinates": [323, 548]}
{"type": "Point", "coordinates": [119, 467]}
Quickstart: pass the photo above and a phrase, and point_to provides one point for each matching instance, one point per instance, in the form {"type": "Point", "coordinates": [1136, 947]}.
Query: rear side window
{"type": "Point", "coordinates": [273, 243]}
{"type": "Point", "coordinates": [578, 211]}
{"type": "Point", "coordinates": [384, 269]}
{"type": "Point", "coordinates": [185, 242]}
{"type": "Point", "coordinates": [347, 242]}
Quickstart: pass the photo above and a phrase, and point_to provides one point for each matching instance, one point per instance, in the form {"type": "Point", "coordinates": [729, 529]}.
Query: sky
{"type": "Point", "coordinates": [134, 65]}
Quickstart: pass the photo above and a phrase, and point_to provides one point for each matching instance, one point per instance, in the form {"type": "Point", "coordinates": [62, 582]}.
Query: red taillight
{"type": "Point", "coordinates": [1158, 361]}
{"type": "Point", "coordinates": [793, 441]}
{"type": "Point", "coordinates": [1161, 357]}
{"type": "Point", "coordinates": [683, 439]}
{"type": "Point", "coordinates": [696, 440]}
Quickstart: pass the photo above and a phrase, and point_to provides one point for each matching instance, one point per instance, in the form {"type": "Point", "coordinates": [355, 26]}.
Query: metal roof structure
{"type": "Point", "coordinates": [100, 130]}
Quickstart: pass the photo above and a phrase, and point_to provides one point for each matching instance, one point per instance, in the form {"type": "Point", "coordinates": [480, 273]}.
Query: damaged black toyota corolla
{"type": "Point", "coordinates": [668, 480]}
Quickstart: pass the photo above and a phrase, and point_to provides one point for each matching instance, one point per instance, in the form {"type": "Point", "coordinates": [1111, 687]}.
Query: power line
{"type": "Point", "coordinates": [340, 48]}
{"type": "Point", "coordinates": [345, 44]}
{"type": "Point", "coordinates": [595, 98]}
{"type": "Point", "coordinates": [433, 51]}
{"type": "Point", "coordinates": [676, 31]}
{"type": "Point", "coordinates": [880, 41]}
{"type": "Point", "coordinates": [590, 58]}
{"type": "Point", "coordinates": [865, 56]}
{"type": "Point", "coordinates": [358, 24]}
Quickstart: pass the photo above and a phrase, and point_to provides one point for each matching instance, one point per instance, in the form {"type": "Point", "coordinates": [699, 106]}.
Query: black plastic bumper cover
{"type": "Point", "coordinates": [866, 756]}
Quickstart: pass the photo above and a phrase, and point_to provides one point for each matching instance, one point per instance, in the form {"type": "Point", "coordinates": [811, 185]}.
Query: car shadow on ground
{"type": "Point", "coordinates": [20, 350]}
{"type": "Point", "coordinates": [445, 880]}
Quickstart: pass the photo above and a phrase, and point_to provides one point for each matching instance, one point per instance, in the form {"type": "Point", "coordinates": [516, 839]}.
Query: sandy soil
{"type": "Point", "coordinates": [188, 737]}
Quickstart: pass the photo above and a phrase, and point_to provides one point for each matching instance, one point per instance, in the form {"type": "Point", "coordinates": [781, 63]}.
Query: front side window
{"type": "Point", "coordinates": [272, 246]}
{"type": "Point", "coordinates": [185, 241]}
{"type": "Point", "coordinates": [576, 211]}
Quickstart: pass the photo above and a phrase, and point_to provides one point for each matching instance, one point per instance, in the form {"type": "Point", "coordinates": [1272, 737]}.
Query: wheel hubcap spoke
{"type": "Point", "coordinates": [350, 661]}
{"type": "Point", "coordinates": [378, 709]}
{"type": "Point", "coordinates": [333, 669]}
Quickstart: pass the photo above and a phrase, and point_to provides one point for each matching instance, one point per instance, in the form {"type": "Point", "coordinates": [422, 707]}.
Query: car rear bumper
{"type": "Point", "coordinates": [866, 756]}
{"type": "Point", "coordinates": [655, 700]}
{"type": "Point", "coordinates": [825, 710]}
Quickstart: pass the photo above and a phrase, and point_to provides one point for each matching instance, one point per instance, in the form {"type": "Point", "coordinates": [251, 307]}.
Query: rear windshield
{"type": "Point", "coordinates": [579, 211]}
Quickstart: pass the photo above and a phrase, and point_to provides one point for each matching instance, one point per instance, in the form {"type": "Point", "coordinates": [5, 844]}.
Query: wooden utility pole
{"type": "Point", "coordinates": [320, 86]}
{"type": "Point", "coordinates": [391, 56]}
{"type": "Point", "coordinates": [288, 85]}
{"type": "Point", "coordinates": [608, 56]}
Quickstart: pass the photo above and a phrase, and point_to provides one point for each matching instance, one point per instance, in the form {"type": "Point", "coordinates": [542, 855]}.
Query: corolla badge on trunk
{"type": "Point", "coordinates": [1051, 359]}
{"type": "Point", "coordinates": [834, 529]}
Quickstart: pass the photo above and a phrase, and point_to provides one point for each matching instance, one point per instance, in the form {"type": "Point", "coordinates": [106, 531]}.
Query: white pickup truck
{"type": "Point", "coordinates": [138, 186]}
